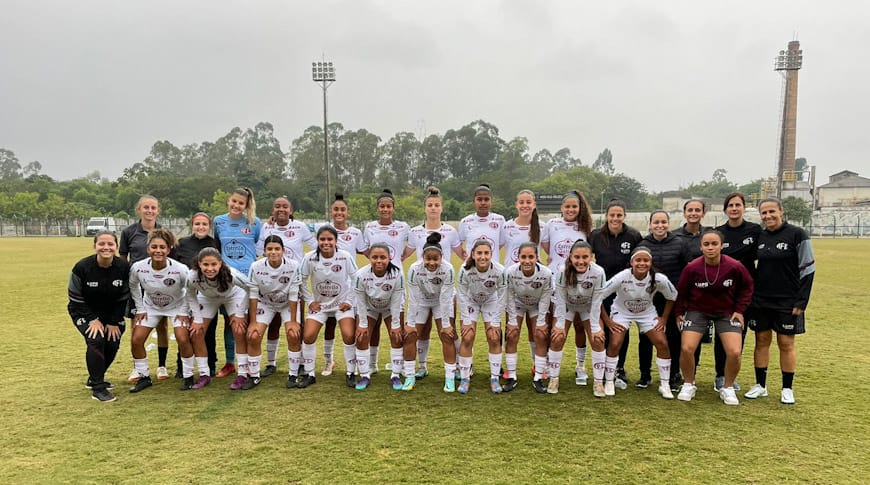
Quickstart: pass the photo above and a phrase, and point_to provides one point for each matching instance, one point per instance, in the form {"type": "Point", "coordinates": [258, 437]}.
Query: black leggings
{"type": "Point", "coordinates": [99, 355]}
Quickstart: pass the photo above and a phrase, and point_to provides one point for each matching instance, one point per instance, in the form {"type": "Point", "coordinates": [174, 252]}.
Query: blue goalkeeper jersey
{"type": "Point", "coordinates": [238, 241]}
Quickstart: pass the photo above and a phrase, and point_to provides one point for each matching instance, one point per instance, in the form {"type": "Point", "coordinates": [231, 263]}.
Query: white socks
{"type": "Point", "coordinates": [664, 366]}
{"type": "Point", "coordinates": [423, 352]}
{"type": "Point", "coordinates": [254, 365]}
{"type": "Point", "coordinates": [187, 366]}
{"type": "Point", "coordinates": [598, 359]}
{"type": "Point", "coordinates": [397, 360]}
{"type": "Point", "coordinates": [271, 351]}
{"type": "Point", "coordinates": [373, 357]}
{"type": "Point", "coordinates": [555, 363]}
{"type": "Point", "coordinates": [494, 365]}
{"type": "Point", "coordinates": [362, 363]}
{"type": "Point", "coordinates": [242, 364]}
{"type": "Point", "coordinates": [465, 367]}
{"type": "Point", "coordinates": [309, 354]}
{"type": "Point", "coordinates": [295, 360]}
{"type": "Point", "coordinates": [581, 357]}
{"type": "Point", "coordinates": [201, 365]}
{"type": "Point", "coordinates": [349, 358]}
{"type": "Point", "coordinates": [141, 366]}
{"type": "Point", "coordinates": [610, 367]}
{"type": "Point", "coordinates": [540, 365]}
{"type": "Point", "coordinates": [328, 349]}
{"type": "Point", "coordinates": [510, 363]}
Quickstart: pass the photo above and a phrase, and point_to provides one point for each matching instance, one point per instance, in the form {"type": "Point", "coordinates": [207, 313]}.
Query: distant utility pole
{"type": "Point", "coordinates": [323, 73]}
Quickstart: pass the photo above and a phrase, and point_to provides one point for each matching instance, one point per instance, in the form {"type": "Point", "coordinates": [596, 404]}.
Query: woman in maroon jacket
{"type": "Point", "coordinates": [714, 290]}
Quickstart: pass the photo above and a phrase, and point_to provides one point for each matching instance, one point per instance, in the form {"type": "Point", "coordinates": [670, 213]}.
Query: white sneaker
{"type": "Point", "coordinates": [598, 389]}
{"type": "Point", "coordinates": [787, 396]}
{"type": "Point", "coordinates": [162, 374]}
{"type": "Point", "coordinates": [687, 392]}
{"type": "Point", "coordinates": [609, 389]}
{"type": "Point", "coordinates": [620, 384]}
{"type": "Point", "coordinates": [665, 391]}
{"type": "Point", "coordinates": [756, 391]}
{"type": "Point", "coordinates": [327, 370]}
{"type": "Point", "coordinates": [134, 376]}
{"type": "Point", "coordinates": [729, 396]}
{"type": "Point", "coordinates": [581, 378]}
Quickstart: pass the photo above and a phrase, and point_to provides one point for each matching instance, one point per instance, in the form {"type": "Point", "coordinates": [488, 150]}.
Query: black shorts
{"type": "Point", "coordinates": [782, 322]}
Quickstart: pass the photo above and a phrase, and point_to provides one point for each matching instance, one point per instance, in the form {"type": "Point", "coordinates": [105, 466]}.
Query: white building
{"type": "Point", "coordinates": [844, 189]}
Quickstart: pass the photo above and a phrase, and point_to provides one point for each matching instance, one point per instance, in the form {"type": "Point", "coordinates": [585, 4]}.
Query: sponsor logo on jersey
{"type": "Point", "coordinates": [233, 250]}
{"type": "Point", "coordinates": [80, 322]}
{"type": "Point", "coordinates": [625, 247]}
{"type": "Point", "coordinates": [328, 289]}
{"type": "Point", "coordinates": [748, 241]}
{"type": "Point", "coordinates": [761, 246]}
{"type": "Point", "coordinates": [726, 245]}
{"type": "Point", "coordinates": [563, 247]}
{"type": "Point", "coordinates": [93, 284]}
{"type": "Point", "coordinates": [701, 284]}
{"type": "Point", "coordinates": [159, 299]}
{"type": "Point", "coordinates": [727, 283]}
{"type": "Point", "coordinates": [637, 306]}
{"type": "Point", "coordinates": [782, 246]}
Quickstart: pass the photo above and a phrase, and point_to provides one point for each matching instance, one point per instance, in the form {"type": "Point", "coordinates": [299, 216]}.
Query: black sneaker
{"type": "Point", "coordinates": [621, 375]}
{"type": "Point", "coordinates": [250, 383]}
{"type": "Point", "coordinates": [179, 374]}
{"type": "Point", "coordinates": [675, 382]}
{"type": "Point", "coordinates": [142, 384]}
{"type": "Point", "coordinates": [539, 386]}
{"type": "Point", "coordinates": [292, 382]}
{"type": "Point", "coordinates": [509, 385]}
{"type": "Point", "coordinates": [644, 382]}
{"type": "Point", "coordinates": [306, 381]}
{"type": "Point", "coordinates": [350, 380]}
{"type": "Point", "coordinates": [102, 395]}
{"type": "Point", "coordinates": [90, 385]}
{"type": "Point", "coordinates": [269, 370]}
{"type": "Point", "coordinates": [187, 383]}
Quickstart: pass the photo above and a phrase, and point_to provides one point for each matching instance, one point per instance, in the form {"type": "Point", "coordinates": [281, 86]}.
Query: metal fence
{"type": "Point", "coordinates": [74, 227]}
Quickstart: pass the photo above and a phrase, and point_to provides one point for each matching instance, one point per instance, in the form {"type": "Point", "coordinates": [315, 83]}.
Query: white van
{"type": "Point", "coordinates": [97, 224]}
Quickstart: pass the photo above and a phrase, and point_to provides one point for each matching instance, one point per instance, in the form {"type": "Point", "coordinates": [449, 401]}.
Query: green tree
{"type": "Point", "coordinates": [604, 163]}
{"type": "Point", "coordinates": [10, 168]}
{"type": "Point", "coordinates": [400, 158]}
{"type": "Point", "coordinates": [797, 210]}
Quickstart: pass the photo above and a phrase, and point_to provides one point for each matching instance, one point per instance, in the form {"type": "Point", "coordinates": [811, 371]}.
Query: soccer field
{"type": "Point", "coordinates": [54, 432]}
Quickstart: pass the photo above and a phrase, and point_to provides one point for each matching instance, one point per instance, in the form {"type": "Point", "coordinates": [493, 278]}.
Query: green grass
{"type": "Point", "coordinates": [53, 432]}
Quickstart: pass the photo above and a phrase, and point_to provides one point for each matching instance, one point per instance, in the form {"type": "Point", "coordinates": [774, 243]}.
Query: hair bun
{"type": "Point", "coordinates": [339, 196]}
{"type": "Point", "coordinates": [434, 238]}
{"type": "Point", "coordinates": [388, 191]}
{"type": "Point", "coordinates": [434, 191]}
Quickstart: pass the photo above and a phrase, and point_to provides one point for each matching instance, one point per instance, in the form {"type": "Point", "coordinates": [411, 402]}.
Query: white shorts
{"type": "Point", "coordinates": [236, 304]}
{"type": "Point", "coordinates": [490, 311]}
{"type": "Point", "coordinates": [154, 315]}
{"type": "Point", "coordinates": [643, 325]}
{"type": "Point", "coordinates": [321, 316]}
{"type": "Point", "coordinates": [572, 311]}
{"type": "Point", "coordinates": [532, 311]}
{"type": "Point", "coordinates": [265, 314]}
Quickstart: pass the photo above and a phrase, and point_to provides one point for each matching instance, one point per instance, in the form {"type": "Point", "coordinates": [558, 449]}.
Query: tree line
{"type": "Point", "coordinates": [199, 176]}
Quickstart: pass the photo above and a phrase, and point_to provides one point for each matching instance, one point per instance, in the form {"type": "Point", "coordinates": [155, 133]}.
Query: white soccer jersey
{"type": "Point", "coordinates": [384, 295]}
{"type": "Point", "coordinates": [526, 293]}
{"type": "Point", "coordinates": [512, 235]}
{"type": "Point", "coordinates": [561, 236]}
{"type": "Point", "coordinates": [431, 289]}
{"type": "Point", "coordinates": [164, 289]}
{"type": "Point", "coordinates": [347, 239]}
{"type": "Point", "coordinates": [237, 290]}
{"type": "Point", "coordinates": [294, 235]}
{"type": "Point", "coordinates": [449, 239]}
{"type": "Point", "coordinates": [331, 279]}
{"type": "Point", "coordinates": [633, 301]}
{"type": "Point", "coordinates": [579, 298]}
{"type": "Point", "coordinates": [474, 227]}
{"type": "Point", "coordinates": [477, 289]}
{"type": "Point", "coordinates": [394, 235]}
{"type": "Point", "coordinates": [274, 287]}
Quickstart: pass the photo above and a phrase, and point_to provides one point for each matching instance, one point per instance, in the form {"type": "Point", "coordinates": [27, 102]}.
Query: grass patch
{"type": "Point", "coordinates": [53, 432]}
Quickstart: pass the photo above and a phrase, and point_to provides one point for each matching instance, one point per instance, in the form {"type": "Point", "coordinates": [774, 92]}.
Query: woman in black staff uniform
{"type": "Point", "coordinates": [741, 243]}
{"type": "Point", "coordinates": [670, 256]}
{"type": "Point", "coordinates": [612, 244]}
{"type": "Point", "coordinates": [98, 293]}
{"type": "Point", "coordinates": [786, 267]}
{"type": "Point", "coordinates": [185, 252]}
{"type": "Point", "coordinates": [693, 211]}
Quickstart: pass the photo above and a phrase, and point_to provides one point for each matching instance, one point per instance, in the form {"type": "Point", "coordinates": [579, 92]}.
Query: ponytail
{"type": "Point", "coordinates": [250, 203]}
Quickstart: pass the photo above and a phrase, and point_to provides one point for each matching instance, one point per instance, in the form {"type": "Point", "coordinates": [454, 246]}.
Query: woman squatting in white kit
{"type": "Point", "coordinates": [274, 292]}
{"type": "Point", "coordinates": [330, 271]}
{"type": "Point", "coordinates": [634, 289]}
{"type": "Point", "coordinates": [380, 296]}
{"type": "Point", "coordinates": [430, 298]}
{"type": "Point", "coordinates": [481, 294]}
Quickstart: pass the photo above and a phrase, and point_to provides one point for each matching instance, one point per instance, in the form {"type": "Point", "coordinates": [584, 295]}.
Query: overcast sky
{"type": "Point", "coordinates": [674, 89]}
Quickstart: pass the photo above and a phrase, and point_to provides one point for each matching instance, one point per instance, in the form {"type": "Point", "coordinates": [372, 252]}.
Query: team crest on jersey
{"type": "Point", "coordinates": [782, 246]}
{"type": "Point", "coordinates": [80, 322]}
{"type": "Point", "coordinates": [261, 311]}
{"type": "Point", "coordinates": [626, 247]}
{"type": "Point", "coordinates": [118, 283]}
{"type": "Point", "coordinates": [436, 281]}
{"type": "Point", "coordinates": [346, 237]}
{"type": "Point", "coordinates": [727, 283]}
{"type": "Point", "coordinates": [489, 283]}
{"type": "Point", "coordinates": [536, 285]}
{"type": "Point", "coordinates": [284, 280]}
{"type": "Point", "coordinates": [727, 245]}
{"type": "Point", "coordinates": [748, 241]}
{"type": "Point", "coordinates": [246, 230]}
{"type": "Point", "coordinates": [386, 287]}
{"type": "Point", "coordinates": [169, 282]}
{"type": "Point", "coordinates": [336, 268]}
{"type": "Point", "coordinates": [493, 225]}
{"type": "Point", "coordinates": [393, 233]}
{"type": "Point", "coordinates": [586, 285]}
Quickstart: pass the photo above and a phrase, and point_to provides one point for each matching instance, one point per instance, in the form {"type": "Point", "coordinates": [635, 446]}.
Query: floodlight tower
{"type": "Point", "coordinates": [323, 73]}
{"type": "Point", "coordinates": [788, 63]}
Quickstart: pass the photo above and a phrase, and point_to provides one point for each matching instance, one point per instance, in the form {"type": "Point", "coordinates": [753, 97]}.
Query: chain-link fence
{"type": "Point", "coordinates": [74, 227]}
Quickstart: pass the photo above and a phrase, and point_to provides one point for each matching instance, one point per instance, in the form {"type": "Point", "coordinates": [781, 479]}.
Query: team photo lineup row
{"type": "Point", "coordinates": [678, 287]}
